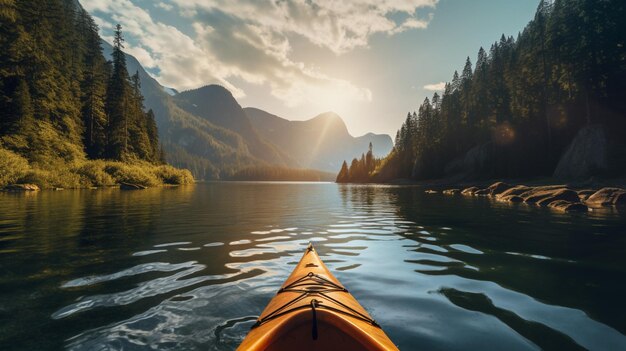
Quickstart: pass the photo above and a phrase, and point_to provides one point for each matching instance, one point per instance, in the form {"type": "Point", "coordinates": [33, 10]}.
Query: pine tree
{"type": "Point", "coordinates": [94, 87]}
{"type": "Point", "coordinates": [153, 138]}
{"type": "Point", "coordinates": [118, 106]}
{"type": "Point", "coordinates": [343, 176]}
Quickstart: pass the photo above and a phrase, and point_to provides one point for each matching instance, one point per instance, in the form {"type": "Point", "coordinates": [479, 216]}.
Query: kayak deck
{"type": "Point", "coordinates": [314, 311]}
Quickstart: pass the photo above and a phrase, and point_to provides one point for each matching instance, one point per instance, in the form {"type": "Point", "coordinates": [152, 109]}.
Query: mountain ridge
{"type": "Point", "coordinates": [207, 131]}
{"type": "Point", "coordinates": [322, 142]}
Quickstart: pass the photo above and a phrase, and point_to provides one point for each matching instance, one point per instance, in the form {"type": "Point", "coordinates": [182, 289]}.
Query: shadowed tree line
{"type": "Point", "coordinates": [523, 101]}
{"type": "Point", "coordinates": [360, 170]}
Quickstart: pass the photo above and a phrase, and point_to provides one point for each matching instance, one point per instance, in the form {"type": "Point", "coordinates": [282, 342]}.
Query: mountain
{"type": "Point", "coordinates": [217, 105]}
{"type": "Point", "coordinates": [322, 142]}
{"type": "Point", "coordinates": [206, 131]}
{"type": "Point", "coordinates": [191, 141]}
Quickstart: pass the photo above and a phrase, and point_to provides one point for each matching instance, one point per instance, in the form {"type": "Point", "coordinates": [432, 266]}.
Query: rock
{"type": "Point", "coordinates": [514, 191]}
{"type": "Point", "coordinates": [568, 206]}
{"type": "Point", "coordinates": [58, 189]}
{"type": "Point", "coordinates": [619, 200]}
{"type": "Point", "coordinates": [129, 186]}
{"type": "Point", "coordinates": [511, 198]}
{"type": "Point", "coordinates": [476, 163]}
{"type": "Point", "coordinates": [452, 192]}
{"type": "Point", "coordinates": [429, 191]}
{"type": "Point", "coordinates": [583, 195]}
{"type": "Point", "coordinates": [534, 190]}
{"type": "Point", "coordinates": [560, 194]}
{"type": "Point", "coordinates": [470, 191]}
{"type": "Point", "coordinates": [606, 197]}
{"type": "Point", "coordinates": [498, 188]}
{"type": "Point", "coordinates": [20, 187]}
{"type": "Point", "coordinates": [545, 196]}
{"type": "Point", "coordinates": [586, 156]}
{"type": "Point", "coordinates": [482, 192]}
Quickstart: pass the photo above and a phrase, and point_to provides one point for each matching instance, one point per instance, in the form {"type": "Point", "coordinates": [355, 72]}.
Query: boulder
{"type": "Point", "coordinates": [568, 206]}
{"type": "Point", "coordinates": [482, 192]}
{"type": "Point", "coordinates": [606, 197]}
{"type": "Point", "coordinates": [543, 195]}
{"type": "Point", "coordinates": [470, 191]}
{"type": "Point", "coordinates": [20, 188]}
{"type": "Point", "coordinates": [513, 198]}
{"type": "Point", "coordinates": [477, 163]}
{"type": "Point", "coordinates": [560, 194]}
{"type": "Point", "coordinates": [586, 156]}
{"type": "Point", "coordinates": [583, 195]}
{"type": "Point", "coordinates": [452, 192]}
{"type": "Point", "coordinates": [129, 186]}
{"type": "Point", "coordinates": [534, 190]}
{"type": "Point", "coordinates": [514, 191]}
{"type": "Point", "coordinates": [498, 188]}
{"type": "Point", "coordinates": [619, 200]}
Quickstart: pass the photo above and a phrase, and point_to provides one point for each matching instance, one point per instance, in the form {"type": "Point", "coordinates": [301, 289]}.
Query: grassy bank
{"type": "Point", "coordinates": [15, 169]}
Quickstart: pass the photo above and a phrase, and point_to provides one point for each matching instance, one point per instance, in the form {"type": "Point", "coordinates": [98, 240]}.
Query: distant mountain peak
{"type": "Point", "coordinates": [330, 115]}
{"type": "Point", "coordinates": [322, 142]}
{"type": "Point", "coordinates": [213, 89]}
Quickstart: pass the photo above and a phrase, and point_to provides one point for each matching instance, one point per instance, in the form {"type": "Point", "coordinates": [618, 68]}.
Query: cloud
{"type": "Point", "coordinates": [165, 6]}
{"type": "Point", "coordinates": [436, 86]}
{"type": "Point", "coordinates": [251, 41]}
{"type": "Point", "coordinates": [337, 25]}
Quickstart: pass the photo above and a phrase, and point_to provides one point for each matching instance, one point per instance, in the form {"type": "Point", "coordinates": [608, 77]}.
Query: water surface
{"type": "Point", "coordinates": [191, 267]}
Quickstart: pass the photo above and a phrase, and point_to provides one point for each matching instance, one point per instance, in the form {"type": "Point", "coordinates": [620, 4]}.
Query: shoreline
{"type": "Point", "coordinates": [545, 181]}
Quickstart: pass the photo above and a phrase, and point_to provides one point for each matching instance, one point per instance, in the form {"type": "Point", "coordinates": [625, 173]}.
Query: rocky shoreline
{"type": "Point", "coordinates": [20, 188]}
{"type": "Point", "coordinates": [558, 197]}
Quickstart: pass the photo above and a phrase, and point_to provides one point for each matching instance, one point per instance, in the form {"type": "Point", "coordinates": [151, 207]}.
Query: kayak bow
{"type": "Point", "coordinates": [313, 311]}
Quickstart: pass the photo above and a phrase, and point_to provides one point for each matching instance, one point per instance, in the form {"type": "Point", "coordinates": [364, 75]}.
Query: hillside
{"type": "Point", "coordinates": [69, 118]}
{"type": "Point", "coordinates": [217, 105]}
{"type": "Point", "coordinates": [191, 142]}
{"type": "Point", "coordinates": [206, 130]}
{"type": "Point", "coordinates": [322, 142]}
{"type": "Point", "coordinates": [549, 103]}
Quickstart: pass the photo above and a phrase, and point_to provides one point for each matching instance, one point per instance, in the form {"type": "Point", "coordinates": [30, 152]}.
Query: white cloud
{"type": "Point", "coordinates": [337, 25]}
{"type": "Point", "coordinates": [143, 55]}
{"type": "Point", "coordinates": [436, 86]}
{"type": "Point", "coordinates": [251, 40]}
{"type": "Point", "coordinates": [165, 6]}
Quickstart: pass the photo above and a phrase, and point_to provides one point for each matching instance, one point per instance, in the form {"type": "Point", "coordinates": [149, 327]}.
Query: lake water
{"type": "Point", "coordinates": [190, 268]}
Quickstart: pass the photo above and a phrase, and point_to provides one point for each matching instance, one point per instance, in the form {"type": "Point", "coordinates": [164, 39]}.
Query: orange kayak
{"type": "Point", "coordinates": [313, 311]}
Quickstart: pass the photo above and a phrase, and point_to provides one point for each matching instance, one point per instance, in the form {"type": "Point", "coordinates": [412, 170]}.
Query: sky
{"type": "Point", "coordinates": [370, 61]}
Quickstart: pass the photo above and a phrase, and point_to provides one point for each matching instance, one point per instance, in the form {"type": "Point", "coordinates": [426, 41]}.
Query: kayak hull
{"type": "Point", "coordinates": [313, 311]}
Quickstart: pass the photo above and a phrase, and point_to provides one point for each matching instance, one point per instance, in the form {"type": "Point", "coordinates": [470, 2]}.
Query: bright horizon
{"type": "Point", "coordinates": [369, 62]}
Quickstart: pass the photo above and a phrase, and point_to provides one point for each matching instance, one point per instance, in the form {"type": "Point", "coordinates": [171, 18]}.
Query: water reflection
{"type": "Point", "coordinates": [191, 267]}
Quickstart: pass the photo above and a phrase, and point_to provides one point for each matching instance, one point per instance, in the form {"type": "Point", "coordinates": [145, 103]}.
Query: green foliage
{"type": "Point", "coordinates": [131, 173]}
{"type": "Point", "coordinates": [360, 170]}
{"type": "Point", "coordinates": [61, 177]}
{"type": "Point", "coordinates": [93, 173]}
{"type": "Point", "coordinates": [344, 174]}
{"type": "Point", "coordinates": [170, 175]}
{"type": "Point", "coordinates": [62, 103]}
{"type": "Point", "coordinates": [525, 100]}
{"type": "Point", "coordinates": [12, 167]}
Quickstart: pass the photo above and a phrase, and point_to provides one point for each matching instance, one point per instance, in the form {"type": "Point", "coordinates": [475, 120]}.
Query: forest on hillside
{"type": "Point", "coordinates": [64, 105]}
{"type": "Point", "coordinates": [525, 101]}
